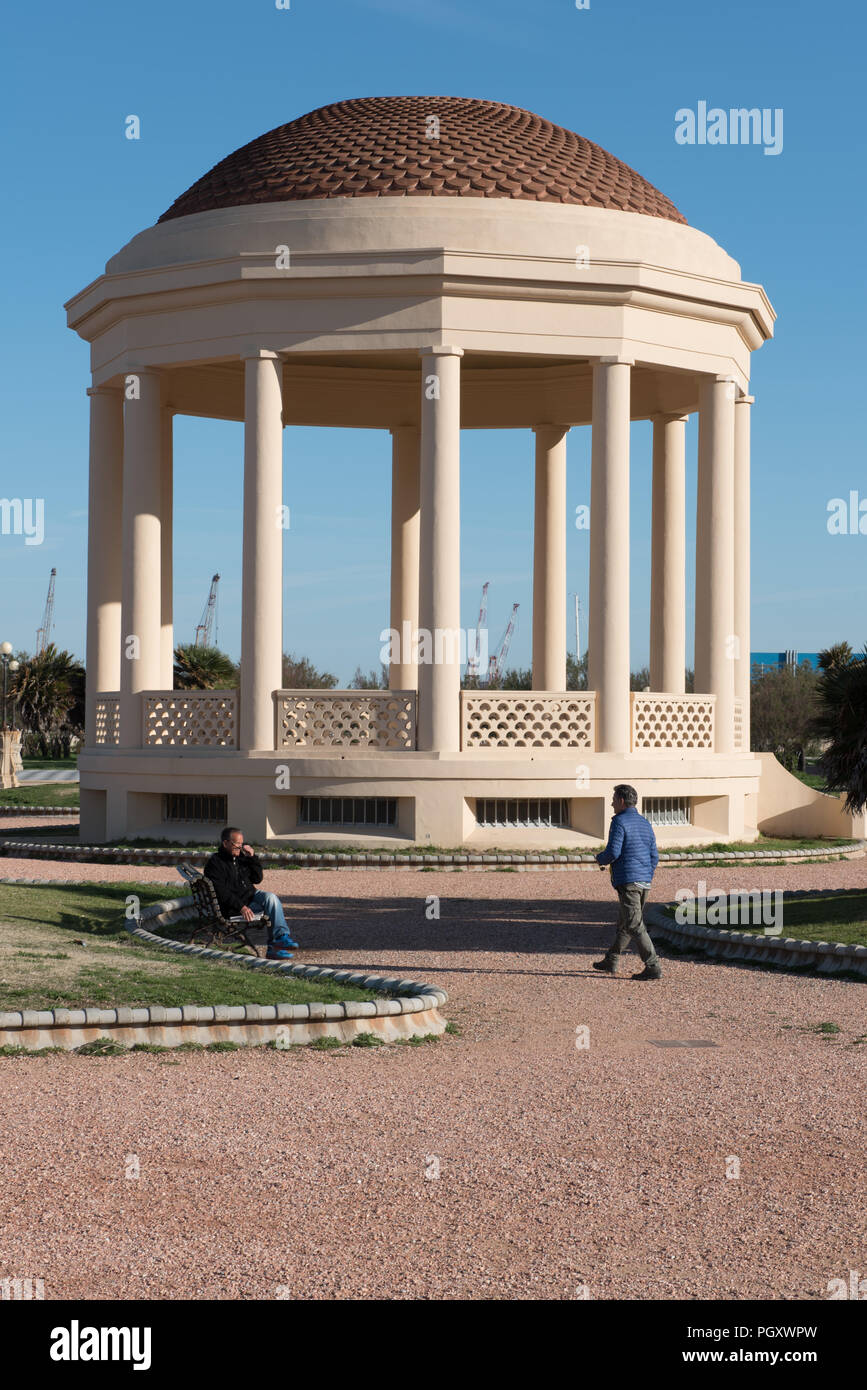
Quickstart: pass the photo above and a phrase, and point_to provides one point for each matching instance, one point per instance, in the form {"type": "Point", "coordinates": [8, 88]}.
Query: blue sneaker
{"type": "Point", "coordinates": [276, 953]}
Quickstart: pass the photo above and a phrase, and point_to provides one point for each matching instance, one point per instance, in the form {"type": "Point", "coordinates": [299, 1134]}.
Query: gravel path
{"type": "Point", "coordinates": [503, 1163]}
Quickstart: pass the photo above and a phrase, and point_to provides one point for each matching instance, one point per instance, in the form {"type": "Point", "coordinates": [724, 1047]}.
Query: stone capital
{"type": "Point", "coordinates": [441, 350]}
{"type": "Point", "coordinates": [258, 354]}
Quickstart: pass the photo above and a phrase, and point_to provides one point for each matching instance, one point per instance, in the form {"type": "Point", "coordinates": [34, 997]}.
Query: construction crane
{"type": "Point", "coordinates": [497, 662]}
{"type": "Point", "coordinates": [473, 661]}
{"type": "Point", "coordinates": [43, 635]}
{"type": "Point", "coordinates": [205, 629]}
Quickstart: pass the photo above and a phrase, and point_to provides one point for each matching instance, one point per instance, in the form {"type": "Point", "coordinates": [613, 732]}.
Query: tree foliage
{"type": "Point", "coordinates": [299, 673]}
{"type": "Point", "coordinates": [841, 723]}
{"type": "Point", "coordinates": [782, 709]}
{"type": "Point", "coordinates": [48, 690]}
{"type": "Point", "coordinates": [372, 681]}
{"type": "Point", "coordinates": [576, 672]}
{"type": "Point", "coordinates": [838, 654]}
{"type": "Point", "coordinates": [204, 668]}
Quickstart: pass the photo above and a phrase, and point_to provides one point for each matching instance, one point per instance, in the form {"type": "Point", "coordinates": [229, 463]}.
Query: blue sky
{"type": "Point", "coordinates": [206, 78]}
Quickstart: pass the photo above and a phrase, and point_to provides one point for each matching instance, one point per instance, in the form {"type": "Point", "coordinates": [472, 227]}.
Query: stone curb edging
{"type": "Point", "coordinates": [39, 811]}
{"type": "Point", "coordinates": [414, 1013]}
{"type": "Point", "coordinates": [825, 957]}
{"type": "Point", "coordinates": [99, 854]}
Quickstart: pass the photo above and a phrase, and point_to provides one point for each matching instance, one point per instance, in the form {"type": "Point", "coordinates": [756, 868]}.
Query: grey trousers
{"type": "Point", "coordinates": [631, 924]}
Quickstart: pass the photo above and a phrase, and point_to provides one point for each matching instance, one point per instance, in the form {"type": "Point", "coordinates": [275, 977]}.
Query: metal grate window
{"type": "Point", "coordinates": [347, 810]}
{"type": "Point", "coordinates": [523, 813]}
{"type": "Point", "coordinates": [183, 806]}
{"type": "Point", "coordinates": [667, 810]}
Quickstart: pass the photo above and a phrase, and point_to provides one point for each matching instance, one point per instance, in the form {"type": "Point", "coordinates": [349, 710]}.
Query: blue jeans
{"type": "Point", "coordinates": [269, 903]}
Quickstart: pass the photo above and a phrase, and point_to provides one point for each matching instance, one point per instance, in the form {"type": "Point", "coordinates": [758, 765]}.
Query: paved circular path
{"type": "Point", "coordinates": [504, 1163]}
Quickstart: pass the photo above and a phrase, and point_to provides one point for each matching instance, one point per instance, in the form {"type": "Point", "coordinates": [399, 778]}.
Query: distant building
{"type": "Point", "coordinates": [775, 661]}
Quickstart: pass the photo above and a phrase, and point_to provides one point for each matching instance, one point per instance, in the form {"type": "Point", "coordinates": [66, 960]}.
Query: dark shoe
{"type": "Point", "coordinates": [650, 972]}
{"type": "Point", "coordinates": [606, 964]}
{"type": "Point", "coordinates": [273, 953]}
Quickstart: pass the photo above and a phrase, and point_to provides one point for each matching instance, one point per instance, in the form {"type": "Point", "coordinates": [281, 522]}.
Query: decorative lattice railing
{"type": "Point", "coordinates": [107, 718]}
{"type": "Point", "coordinates": [672, 721]}
{"type": "Point", "coordinates": [740, 728]}
{"type": "Point", "coordinates": [190, 718]}
{"type": "Point", "coordinates": [528, 719]}
{"type": "Point", "coordinates": [345, 718]}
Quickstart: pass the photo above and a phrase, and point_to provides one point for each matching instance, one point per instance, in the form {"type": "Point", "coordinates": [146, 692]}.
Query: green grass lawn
{"type": "Point", "coordinates": [838, 917]}
{"type": "Point", "coordinates": [811, 779]}
{"type": "Point", "coordinates": [47, 764]}
{"type": "Point", "coordinates": [61, 794]}
{"type": "Point", "coordinates": [66, 947]}
{"type": "Point", "coordinates": [769, 842]}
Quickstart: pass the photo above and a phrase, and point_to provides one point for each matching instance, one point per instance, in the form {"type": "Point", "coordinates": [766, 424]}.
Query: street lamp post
{"type": "Point", "coordinates": [9, 738]}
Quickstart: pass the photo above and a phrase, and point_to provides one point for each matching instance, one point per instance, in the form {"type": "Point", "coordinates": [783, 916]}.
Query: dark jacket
{"type": "Point", "coordinates": [631, 850]}
{"type": "Point", "coordinates": [233, 879]}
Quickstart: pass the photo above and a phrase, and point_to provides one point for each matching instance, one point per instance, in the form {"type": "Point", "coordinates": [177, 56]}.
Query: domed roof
{"type": "Point", "coordinates": [383, 147]}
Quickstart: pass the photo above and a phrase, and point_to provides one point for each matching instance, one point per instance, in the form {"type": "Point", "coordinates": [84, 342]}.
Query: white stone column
{"type": "Point", "coordinates": [549, 559]}
{"type": "Point", "coordinates": [262, 592]}
{"type": "Point", "coordinates": [167, 640]}
{"type": "Point", "coordinates": [714, 580]}
{"type": "Point", "coordinates": [142, 549]}
{"type": "Point", "coordinates": [104, 541]}
{"type": "Point", "coordinates": [609, 554]}
{"type": "Point", "coordinates": [668, 556]}
{"type": "Point", "coordinates": [403, 673]}
{"type": "Point", "coordinates": [439, 676]}
{"type": "Point", "coordinates": [742, 559]}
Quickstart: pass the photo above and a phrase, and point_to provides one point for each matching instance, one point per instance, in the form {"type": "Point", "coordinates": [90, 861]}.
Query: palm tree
{"type": "Point", "coordinates": [48, 689]}
{"type": "Point", "coordinates": [204, 668]}
{"type": "Point", "coordinates": [841, 722]}
{"type": "Point", "coordinates": [838, 654]}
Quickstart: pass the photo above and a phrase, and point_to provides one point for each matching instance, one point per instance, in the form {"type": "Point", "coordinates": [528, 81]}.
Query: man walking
{"type": "Point", "coordinates": [632, 854]}
{"type": "Point", "coordinates": [234, 871]}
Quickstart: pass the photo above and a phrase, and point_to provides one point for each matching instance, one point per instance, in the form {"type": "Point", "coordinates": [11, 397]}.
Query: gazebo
{"type": "Point", "coordinates": [422, 265]}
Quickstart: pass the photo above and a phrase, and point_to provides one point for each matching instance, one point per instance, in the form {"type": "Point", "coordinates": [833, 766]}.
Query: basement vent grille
{"type": "Point", "coordinates": [526, 813]}
{"type": "Point", "coordinates": [347, 810]}
{"type": "Point", "coordinates": [184, 807]}
{"type": "Point", "coordinates": [667, 810]}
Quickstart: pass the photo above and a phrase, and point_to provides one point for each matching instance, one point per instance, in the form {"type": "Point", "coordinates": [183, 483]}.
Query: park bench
{"type": "Point", "coordinates": [210, 926]}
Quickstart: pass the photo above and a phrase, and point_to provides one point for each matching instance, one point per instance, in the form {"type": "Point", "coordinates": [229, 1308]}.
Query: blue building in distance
{"type": "Point", "coordinates": [776, 661]}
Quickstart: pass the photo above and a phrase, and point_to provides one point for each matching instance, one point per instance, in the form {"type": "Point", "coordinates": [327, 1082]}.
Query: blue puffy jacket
{"type": "Point", "coordinates": [631, 849]}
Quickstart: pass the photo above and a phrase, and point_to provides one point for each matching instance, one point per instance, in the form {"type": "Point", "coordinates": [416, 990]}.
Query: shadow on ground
{"type": "Point", "coordinates": [470, 924]}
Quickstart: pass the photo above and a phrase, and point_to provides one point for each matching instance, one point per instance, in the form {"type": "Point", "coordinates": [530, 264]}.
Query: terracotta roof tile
{"type": "Point", "coordinates": [378, 147]}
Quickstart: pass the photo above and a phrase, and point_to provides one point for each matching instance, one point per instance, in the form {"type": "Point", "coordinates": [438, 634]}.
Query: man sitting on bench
{"type": "Point", "coordinates": [234, 870]}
